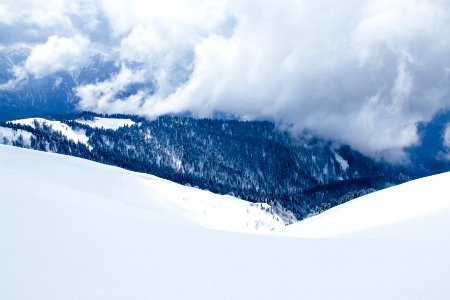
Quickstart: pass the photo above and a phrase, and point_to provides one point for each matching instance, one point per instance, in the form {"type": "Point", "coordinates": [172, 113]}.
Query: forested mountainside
{"type": "Point", "coordinates": [252, 160]}
{"type": "Point", "coordinates": [432, 154]}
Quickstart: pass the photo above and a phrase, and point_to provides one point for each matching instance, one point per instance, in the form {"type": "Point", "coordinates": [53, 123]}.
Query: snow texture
{"type": "Point", "coordinates": [416, 210]}
{"type": "Point", "coordinates": [341, 161]}
{"type": "Point", "coordinates": [77, 136]}
{"type": "Point", "coordinates": [81, 230]}
{"type": "Point", "coordinates": [9, 135]}
{"type": "Point", "coordinates": [107, 123]}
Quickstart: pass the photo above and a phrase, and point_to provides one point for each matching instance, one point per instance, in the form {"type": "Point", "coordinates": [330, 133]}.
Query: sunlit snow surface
{"type": "Point", "coordinates": [9, 135]}
{"type": "Point", "coordinates": [107, 123]}
{"type": "Point", "coordinates": [415, 209]}
{"type": "Point", "coordinates": [71, 134]}
{"type": "Point", "coordinates": [75, 135]}
{"type": "Point", "coordinates": [74, 229]}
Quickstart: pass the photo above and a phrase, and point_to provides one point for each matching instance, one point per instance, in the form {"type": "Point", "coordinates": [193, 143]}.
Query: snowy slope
{"type": "Point", "coordinates": [416, 209]}
{"type": "Point", "coordinates": [107, 123]}
{"type": "Point", "coordinates": [202, 207]}
{"type": "Point", "coordinates": [80, 230]}
{"type": "Point", "coordinates": [64, 129]}
{"type": "Point", "coordinates": [9, 135]}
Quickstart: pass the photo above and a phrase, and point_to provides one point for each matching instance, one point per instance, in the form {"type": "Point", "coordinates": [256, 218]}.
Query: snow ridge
{"type": "Point", "coordinates": [106, 123]}
{"type": "Point", "coordinates": [8, 136]}
{"type": "Point", "coordinates": [77, 136]}
{"type": "Point", "coordinates": [376, 214]}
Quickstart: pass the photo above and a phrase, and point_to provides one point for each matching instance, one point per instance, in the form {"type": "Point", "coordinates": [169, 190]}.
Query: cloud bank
{"type": "Point", "coordinates": [58, 53]}
{"type": "Point", "coordinates": [363, 72]}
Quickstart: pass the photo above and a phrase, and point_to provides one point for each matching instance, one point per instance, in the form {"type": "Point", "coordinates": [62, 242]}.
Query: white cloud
{"type": "Point", "coordinates": [102, 96]}
{"type": "Point", "coordinates": [33, 21]}
{"type": "Point", "coordinates": [447, 137]}
{"type": "Point", "coordinates": [39, 14]}
{"type": "Point", "coordinates": [58, 53]}
{"type": "Point", "coordinates": [19, 76]}
{"type": "Point", "coordinates": [163, 35]}
{"type": "Point", "coordinates": [176, 17]}
{"type": "Point", "coordinates": [362, 74]}
{"type": "Point", "coordinates": [361, 71]}
{"type": "Point", "coordinates": [445, 153]}
{"type": "Point", "coordinates": [5, 15]}
{"type": "Point", "coordinates": [350, 71]}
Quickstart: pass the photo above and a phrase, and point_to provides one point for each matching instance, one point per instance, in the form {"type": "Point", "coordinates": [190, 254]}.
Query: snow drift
{"type": "Point", "coordinates": [416, 209]}
{"type": "Point", "coordinates": [74, 229]}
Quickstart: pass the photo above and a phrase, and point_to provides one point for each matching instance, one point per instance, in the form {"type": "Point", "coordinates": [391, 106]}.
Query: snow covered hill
{"type": "Point", "coordinates": [74, 229]}
{"type": "Point", "coordinates": [417, 210]}
{"type": "Point", "coordinates": [78, 136]}
{"type": "Point", "coordinates": [8, 136]}
{"type": "Point", "coordinates": [56, 174]}
{"type": "Point", "coordinates": [255, 161]}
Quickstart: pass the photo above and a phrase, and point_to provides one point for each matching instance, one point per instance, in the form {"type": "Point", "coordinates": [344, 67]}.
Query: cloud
{"type": "Point", "coordinates": [57, 54]}
{"type": "Point", "coordinates": [19, 75]}
{"type": "Point", "coordinates": [447, 137]}
{"type": "Point", "coordinates": [363, 72]}
{"type": "Point", "coordinates": [104, 96]}
{"type": "Point", "coordinates": [163, 35]}
{"type": "Point", "coordinates": [444, 153]}
{"type": "Point", "coordinates": [34, 21]}
{"type": "Point", "coordinates": [5, 17]}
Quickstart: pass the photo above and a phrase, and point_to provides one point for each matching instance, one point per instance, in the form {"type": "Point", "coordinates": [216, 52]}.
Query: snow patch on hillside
{"type": "Point", "coordinates": [106, 123]}
{"type": "Point", "coordinates": [77, 136]}
{"type": "Point", "coordinates": [447, 136]}
{"type": "Point", "coordinates": [341, 161]}
{"type": "Point", "coordinates": [8, 136]}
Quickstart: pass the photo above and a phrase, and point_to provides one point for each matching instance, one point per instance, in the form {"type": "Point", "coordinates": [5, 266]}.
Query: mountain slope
{"type": "Point", "coordinates": [254, 161]}
{"type": "Point", "coordinates": [73, 229]}
{"type": "Point", "coordinates": [432, 154]}
{"type": "Point", "coordinates": [416, 209]}
{"type": "Point", "coordinates": [117, 185]}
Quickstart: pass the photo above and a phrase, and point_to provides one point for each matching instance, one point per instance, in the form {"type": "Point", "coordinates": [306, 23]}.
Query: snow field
{"type": "Point", "coordinates": [74, 229]}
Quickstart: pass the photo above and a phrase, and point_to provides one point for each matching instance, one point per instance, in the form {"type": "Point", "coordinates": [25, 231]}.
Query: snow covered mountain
{"type": "Point", "coordinates": [74, 229]}
{"type": "Point", "coordinates": [255, 161]}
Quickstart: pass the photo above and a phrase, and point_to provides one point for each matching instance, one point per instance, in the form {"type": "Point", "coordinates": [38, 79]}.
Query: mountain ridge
{"type": "Point", "coordinates": [252, 160]}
